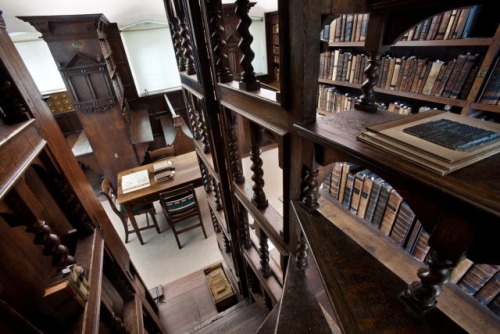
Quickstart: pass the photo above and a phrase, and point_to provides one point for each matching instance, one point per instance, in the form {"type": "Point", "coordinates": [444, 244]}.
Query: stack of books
{"type": "Point", "coordinates": [163, 170]}
{"type": "Point", "coordinates": [67, 292]}
{"type": "Point", "coordinates": [439, 141]}
{"type": "Point", "coordinates": [135, 181]}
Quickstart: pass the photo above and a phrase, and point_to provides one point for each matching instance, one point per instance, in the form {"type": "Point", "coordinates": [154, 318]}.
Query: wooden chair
{"type": "Point", "coordinates": [178, 205]}
{"type": "Point", "coordinates": [160, 153]}
{"type": "Point", "coordinates": [110, 194]}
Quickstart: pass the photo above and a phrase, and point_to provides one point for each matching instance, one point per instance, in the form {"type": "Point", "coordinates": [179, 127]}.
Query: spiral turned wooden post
{"type": "Point", "coordinates": [177, 39]}
{"type": "Point", "coordinates": [51, 244]}
{"type": "Point", "coordinates": [216, 191]}
{"type": "Point", "coordinates": [218, 39]}
{"type": "Point", "coordinates": [234, 156]}
{"type": "Point", "coordinates": [187, 54]}
{"type": "Point", "coordinates": [265, 269]}
{"type": "Point", "coordinates": [367, 100]}
{"type": "Point", "coordinates": [215, 222]}
{"type": "Point", "coordinates": [191, 115]}
{"type": "Point", "coordinates": [227, 243]}
{"type": "Point", "coordinates": [422, 295]}
{"type": "Point", "coordinates": [248, 81]}
{"type": "Point", "coordinates": [259, 197]}
{"type": "Point", "coordinates": [310, 197]}
{"type": "Point", "coordinates": [301, 257]}
{"type": "Point", "coordinates": [244, 227]}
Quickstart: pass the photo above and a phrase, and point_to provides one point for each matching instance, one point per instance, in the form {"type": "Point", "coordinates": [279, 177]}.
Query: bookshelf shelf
{"type": "Point", "coordinates": [469, 42]}
{"type": "Point", "coordinates": [486, 107]}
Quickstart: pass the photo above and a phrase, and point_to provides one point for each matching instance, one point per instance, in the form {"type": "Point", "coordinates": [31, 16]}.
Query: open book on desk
{"type": "Point", "coordinates": [422, 139]}
{"type": "Point", "coordinates": [135, 181]}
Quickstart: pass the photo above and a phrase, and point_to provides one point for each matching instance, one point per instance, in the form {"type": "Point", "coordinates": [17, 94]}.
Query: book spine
{"type": "Point", "coordinates": [340, 66]}
{"type": "Point", "coordinates": [423, 77]}
{"type": "Point", "coordinates": [466, 68]}
{"type": "Point", "coordinates": [373, 198]}
{"type": "Point", "coordinates": [348, 28]}
{"type": "Point", "coordinates": [443, 25]}
{"type": "Point", "coordinates": [439, 77]}
{"type": "Point", "coordinates": [381, 204]}
{"type": "Point", "coordinates": [336, 177]}
{"type": "Point", "coordinates": [451, 24]}
{"type": "Point", "coordinates": [421, 247]}
{"type": "Point", "coordinates": [391, 210]}
{"type": "Point", "coordinates": [469, 82]}
{"type": "Point", "coordinates": [492, 86]}
{"type": "Point", "coordinates": [356, 190]}
{"type": "Point", "coordinates": [364, 27]}
{"type": "Point", "coordinates": [489, 291]}
{"type": "Point", "coordinates": [426, 24]}
{"type": "Point", "coordinates": [395, 73]}
{"type": "Point", "coordinates": [346, 201]}
{"type": "Point", "coordinates": [390, 71]}
{"type": "Point", "coordinates": [406, 73]}
{"type": "Point", "coordinates": [416, 77]}
{"type": "Point", "coordinates": [431, 78]}
{"type": "Point", "coordinates": [366, 189]}
{"type": "Point", "coordinates": [435, 22]}
{"type": "Point", "coordinates": [446, 77]}
{"type": "Point", "coordinates": [460, 269]}
{"type": "Point", "coordinates": [454, 75]}
{"type": "Point", "coordinates": [345, 171]}
{"type": "Point", "coordinates": [402, 224]}
{"type": "Point", "coordinates": [476, 277]}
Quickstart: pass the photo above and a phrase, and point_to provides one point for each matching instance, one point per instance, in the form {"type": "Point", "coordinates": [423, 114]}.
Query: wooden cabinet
{"type": "Point", "coordinates": [50, 218]}
{"type": "Point", "coordinates": [91, 60]}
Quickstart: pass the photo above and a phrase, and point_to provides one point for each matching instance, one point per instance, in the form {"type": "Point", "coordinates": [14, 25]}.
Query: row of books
{"type": "Point", "coordinates": [452, 24]}
{"type": "Point", "coordinates": [163, 170]}
{"type": "Point", "coordinates": [331, 100]}
{"type": "Point", "coordinates": [371, 198]}
{"type": "Point", "coordinates": [346, 28]}
{"type": "Point", "coordinates": [452, 79]}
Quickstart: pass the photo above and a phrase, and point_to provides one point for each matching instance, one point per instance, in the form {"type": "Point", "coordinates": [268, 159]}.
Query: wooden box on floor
{"type": "Point", "coordinates": [221, 290]}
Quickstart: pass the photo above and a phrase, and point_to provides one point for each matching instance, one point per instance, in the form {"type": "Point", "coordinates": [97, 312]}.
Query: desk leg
{"type": "Point", "coordinates": [131, 216]}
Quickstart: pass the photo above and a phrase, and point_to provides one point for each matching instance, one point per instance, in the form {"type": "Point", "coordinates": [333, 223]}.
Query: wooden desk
{"type": "Point", "coordinates": [82, 150]}
{"type": "Point", "coordinates": [186, 171]}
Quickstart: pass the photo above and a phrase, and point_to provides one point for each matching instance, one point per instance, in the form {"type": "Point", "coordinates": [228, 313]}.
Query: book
{"type": "Point", "coordinates": [446, 75]}
{"type": "Point", "coordinates": [161, 165]}
{"type": "Point", "coordinates": [383, 197]}
{"type": "Point", "coordinates": [460, 269]}
{"type": "Point", "coordinates": [359, 178]}
{"type": "Point", "coordinates": [421, 247]}
{"type": "Point", "coordinates": [135, 181]}
{"type": "Point", "coordinates": [364, 27]}
{"type": "Point", "coordinates": [480, 142]}
{"type": "Point", "coordinates": [435, 22]}
{"type": "Point", "coordinates": [335, 179]}
{"type": "Point", "coordinates": [431, 78]}
{"type": "Point", "coordinates": [402, 224]}
{"type": "Point", "coordinates": [457, 69]}
{"type": "Point", "coordinates": [466, 68]}
{"type": "Point", "coordinates": [373, 199]}
{"type": "Point", "coordinates": [63, 300]}
{"type": "Point", "coordinates": [441, 30]}
{"type": "Point", "coordinates": [346, 200]}
{"type": "Point", "coordinates": [393, 203]}
{"type": "Point", "coordinates": [490, 93]}
{"type": "Point", "coordinates": [395, 75]}
{"type": "Point", "coordinates": [346, 168]}
{"type": "Point", "coordinates": [366, 189]}
{"type": "Point", "coordinates": [164, 175]}
{"type": "Point", "coordinates": [489, 290]}
{"type": "Point", "coordinates": [477, 276]}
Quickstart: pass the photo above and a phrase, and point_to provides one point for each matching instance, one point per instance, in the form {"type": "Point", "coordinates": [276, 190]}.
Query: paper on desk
{"type": "Point", "coordinates": [135, 181]}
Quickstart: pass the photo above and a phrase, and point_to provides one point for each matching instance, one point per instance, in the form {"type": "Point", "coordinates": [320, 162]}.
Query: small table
{"type": "Point", "coordinates": [186, 171]}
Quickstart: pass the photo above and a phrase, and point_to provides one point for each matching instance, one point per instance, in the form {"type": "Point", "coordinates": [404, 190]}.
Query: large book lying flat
{"type": "Point", "coordinates": [135, 181]}
{"type": "Point", "coordinates": [439, 141]}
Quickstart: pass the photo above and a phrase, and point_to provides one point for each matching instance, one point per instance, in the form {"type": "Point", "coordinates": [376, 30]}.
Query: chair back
{"type": "Point", "coordinates": [110, 193]}
{"type": "Point", "coordinates": [179, 204]}
{"type": "Point", "coordinates": [160, 153]}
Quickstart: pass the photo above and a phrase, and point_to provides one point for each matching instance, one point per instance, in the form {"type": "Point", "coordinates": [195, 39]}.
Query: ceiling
{"type": "Point", "coordinates": [122, 12]}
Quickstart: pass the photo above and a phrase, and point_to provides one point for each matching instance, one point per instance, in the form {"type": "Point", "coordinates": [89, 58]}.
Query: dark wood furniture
{"type": "Point", "coordinates": [92, 62]}
{"type": "Point", "coordinates": [146, 209]}
{"type": "Point", "coordinates": [186, 172]}
{"type": "Point", "coordinates": [272, 49]}
{"type": "Point", "coordinates": [179, 204]}
{"type": "Point", "coordinates": [359, 271]}
{"type": "Point", "coordinates": [50, 217]}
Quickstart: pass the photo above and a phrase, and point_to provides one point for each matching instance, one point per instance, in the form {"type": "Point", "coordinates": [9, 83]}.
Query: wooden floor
{"type": "Point", "coordinates": [187, 304]}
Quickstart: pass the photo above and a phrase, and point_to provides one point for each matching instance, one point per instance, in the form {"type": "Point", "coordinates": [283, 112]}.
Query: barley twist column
{"type": "Point", "coordinates": [218, 39]}
{"type": "Point", "coordinates": [248, 80]}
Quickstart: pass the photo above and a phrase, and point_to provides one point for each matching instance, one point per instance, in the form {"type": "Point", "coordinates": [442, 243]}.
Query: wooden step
{"type": "Point", "coordinates": [364, 293]}
{"type": "Point", "coordinates": [300, 308]}
{"type": "Point", "coordinates": [269, 324]}
{"type": "Point", "coordinates": [242, 318]}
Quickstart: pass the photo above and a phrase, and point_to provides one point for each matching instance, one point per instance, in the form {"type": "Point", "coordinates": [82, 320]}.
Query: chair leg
{"type": "Point", "coordinates": [176, 236]}
{"type": "Point", "coordinates": [125, 226]}
{"type": "Point", "coordinates": [155, 222]}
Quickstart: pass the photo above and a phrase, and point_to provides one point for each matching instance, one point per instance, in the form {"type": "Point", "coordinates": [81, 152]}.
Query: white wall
{"type": "Point", "coordinates": [152, 59]}
{"type": "Point", "coordinates": [42, 67]}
